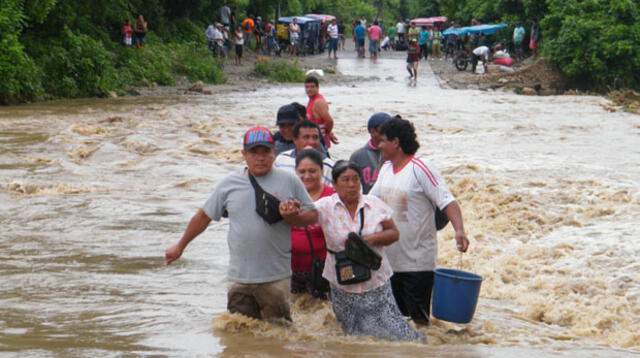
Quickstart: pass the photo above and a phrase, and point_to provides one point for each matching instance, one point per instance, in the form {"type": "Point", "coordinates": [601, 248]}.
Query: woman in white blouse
{"type": "Point", "coordinates": [367, 308]}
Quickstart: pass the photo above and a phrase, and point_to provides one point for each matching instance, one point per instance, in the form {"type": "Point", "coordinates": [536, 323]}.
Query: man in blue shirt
{"type": "Point", "coordinates": [518, 38]}
{"type": "Point", "coordinates": [358, 37]}
{"type": "Point", "coordinates": [422, 41]}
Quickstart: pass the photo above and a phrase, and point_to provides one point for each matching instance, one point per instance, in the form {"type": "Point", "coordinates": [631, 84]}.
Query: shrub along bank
{"type": "Point", "coordinates": [45, 55]}
{"type": "Point", "coordinates": [279, 70]}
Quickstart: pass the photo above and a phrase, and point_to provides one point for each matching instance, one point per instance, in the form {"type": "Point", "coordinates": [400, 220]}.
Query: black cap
{"type": "Point", "coordinates": [287, 114]}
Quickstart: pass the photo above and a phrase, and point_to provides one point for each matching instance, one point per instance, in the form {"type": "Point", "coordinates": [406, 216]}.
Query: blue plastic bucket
{"type": "Point", "coordinates": [455, 295]}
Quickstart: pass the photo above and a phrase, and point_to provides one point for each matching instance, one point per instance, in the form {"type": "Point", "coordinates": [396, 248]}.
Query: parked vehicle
{"type": "Point", "coordinates": [309, 33]}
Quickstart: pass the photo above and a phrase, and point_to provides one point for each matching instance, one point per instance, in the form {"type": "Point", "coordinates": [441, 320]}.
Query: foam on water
{"type": "Point", "coordinates": [92, 191]}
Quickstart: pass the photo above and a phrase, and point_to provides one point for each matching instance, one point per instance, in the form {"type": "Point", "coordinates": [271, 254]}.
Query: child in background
{"type": "Point", "coordinates": [413, 58]}
{"type": "Point", "coordinates": [239, 42]}
{"type": "Point", "coordinates": [127, 33]}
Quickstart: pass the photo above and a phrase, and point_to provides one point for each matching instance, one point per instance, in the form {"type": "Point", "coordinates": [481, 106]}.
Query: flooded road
{"type": "Point", "coordinates": [93, 191]}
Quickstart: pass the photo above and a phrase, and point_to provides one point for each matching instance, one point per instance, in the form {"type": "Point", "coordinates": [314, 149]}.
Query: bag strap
{"type": "Point", "coordinates": [313, 253]}
{"type": "Point", "coordinates": [254, 182]}
{"type": "Point", "coordinates": [361, 221]}
{"type": "Point", "coordinates": [359, 231]}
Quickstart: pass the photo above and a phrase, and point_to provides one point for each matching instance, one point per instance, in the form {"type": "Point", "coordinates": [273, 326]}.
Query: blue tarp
{"type": "Point", "coordinates": [301, 19]}
{"type": "Point", "coordinates": [484, 28]}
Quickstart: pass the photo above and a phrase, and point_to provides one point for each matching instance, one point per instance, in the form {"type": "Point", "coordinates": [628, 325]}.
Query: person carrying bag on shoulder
{"type": "Point", "coordinates": [358, 271]}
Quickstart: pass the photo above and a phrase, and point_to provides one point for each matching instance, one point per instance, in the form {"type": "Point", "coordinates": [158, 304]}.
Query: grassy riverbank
{"type": "Point", "coordinates": [78, 66]}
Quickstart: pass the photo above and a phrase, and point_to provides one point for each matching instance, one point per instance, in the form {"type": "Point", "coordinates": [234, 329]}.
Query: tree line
{"type": "Point", "coordinates": [71, 48]}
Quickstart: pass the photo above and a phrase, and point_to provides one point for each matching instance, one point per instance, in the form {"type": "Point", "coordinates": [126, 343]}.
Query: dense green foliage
{"type": "Point", "coordinates": [72, 48]}
{"type": "Point", "coordinates": [280, 71]}
{"type": "Point", "coordinates": [596, 41]}
{"type": "Point", "coordinates": [593, 42]}
{"type": "Point", "coordinates": [65, 48]}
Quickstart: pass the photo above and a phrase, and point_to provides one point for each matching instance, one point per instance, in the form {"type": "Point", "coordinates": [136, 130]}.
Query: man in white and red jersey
{"type": "Point", "coordinates": [413, 188]}
{"type": "Point", "coordinates": [318, 111]}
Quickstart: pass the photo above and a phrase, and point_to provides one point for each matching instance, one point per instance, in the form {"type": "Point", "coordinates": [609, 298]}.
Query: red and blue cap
{"type": "Point", "coordinates": [258, 137]}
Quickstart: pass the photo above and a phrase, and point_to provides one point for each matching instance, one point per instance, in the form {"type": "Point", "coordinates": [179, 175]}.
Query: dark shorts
{"type": "Point", "coordinates": [360, 42]}
{"type": "Point", "coordinates": [373, 46]}
{"type": "Point", "coordinates": [239, 50]}
{"type": "Point", "coordinates": [139, 37]}
{"type": "Point", "coordinates": [411, 58]}
{"type": "Point", "coordinates": [333, 44]}
{"type": "Point", "coordinates": [412, 291]}
{"type": "Point", "coordinates": [519, 48]}
{"type": "Point", "coordinates": [267, 301]}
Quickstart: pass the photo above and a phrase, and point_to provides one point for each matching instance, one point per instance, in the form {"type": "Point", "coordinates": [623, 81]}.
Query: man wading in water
{"type": "Point", "coordinates": [413, 189]}
{"type": "Point", "coordinates": [259, 240]}
{"type": "Point", "coordinates": [318, 111]}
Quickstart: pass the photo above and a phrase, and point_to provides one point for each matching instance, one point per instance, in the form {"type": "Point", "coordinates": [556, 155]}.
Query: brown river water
{"type": "Point", "coordinates": [92, 192]}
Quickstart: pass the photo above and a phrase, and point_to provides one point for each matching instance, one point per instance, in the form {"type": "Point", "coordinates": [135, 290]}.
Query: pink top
{"type": "Point", "coordinates": [374, 32]}
{"type": "Point", "coordinates": [128, 31]}
{"type": "Point", "coordinates": [337, 223]}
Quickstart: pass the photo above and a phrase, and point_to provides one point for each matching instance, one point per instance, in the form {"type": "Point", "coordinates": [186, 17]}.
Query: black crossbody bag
{"type": "Point", "coordinates": [267, 205]}
{"type": "Point", "coordinates": [318, 282]}
{"type": "Point", "coordinates": [348, 271]}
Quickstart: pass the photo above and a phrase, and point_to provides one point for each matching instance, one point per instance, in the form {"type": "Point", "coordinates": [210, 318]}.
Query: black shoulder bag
{"type": "Point", "coordinates": [318, 282]}
{"type": "Point", "coordinates": [440, 216]}
{"type": "Point", "coordinates": [267, 205]}
{"type": "Point", "coordinates": [348, 271]}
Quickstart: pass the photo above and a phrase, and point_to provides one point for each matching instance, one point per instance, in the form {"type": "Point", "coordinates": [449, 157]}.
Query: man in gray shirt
{"type": "Point", "coordinates": [225, 14]}
{"type": "Point", "coordinates": [259, 252]}
{"type": "Point", "coordinates": [369, 157]}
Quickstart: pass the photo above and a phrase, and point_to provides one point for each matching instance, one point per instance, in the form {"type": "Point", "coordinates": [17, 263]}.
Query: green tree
{"type": "Point", "coordinates": [595, 42]}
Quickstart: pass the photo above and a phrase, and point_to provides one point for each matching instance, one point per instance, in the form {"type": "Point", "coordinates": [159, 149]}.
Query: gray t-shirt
{"type": "Point", "coordinates": [225, 14]}
{"type": "Point", "coordinates": [258, 252]}
{"type": "Point", "coordinates": [369, 159]}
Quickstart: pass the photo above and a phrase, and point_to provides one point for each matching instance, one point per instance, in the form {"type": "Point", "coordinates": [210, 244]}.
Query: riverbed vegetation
{"type": "Point", "coordinates": [279, 70]}
{"type": "Point", "coordinates": [72, 48]}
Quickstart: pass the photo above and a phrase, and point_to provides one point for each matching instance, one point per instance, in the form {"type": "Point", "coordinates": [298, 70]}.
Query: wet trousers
{"type": "Point", "coordinates": [412, 291]}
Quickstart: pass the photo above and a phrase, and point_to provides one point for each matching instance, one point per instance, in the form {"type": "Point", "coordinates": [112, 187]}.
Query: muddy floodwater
{"type": "Point", "coordinates": [93, 191]}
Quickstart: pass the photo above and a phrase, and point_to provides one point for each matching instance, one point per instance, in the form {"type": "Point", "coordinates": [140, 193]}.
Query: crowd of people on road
{"type": "Point", "coordinates": [420, 41]}
{"type": "Point", "coordinates": [360, 233]}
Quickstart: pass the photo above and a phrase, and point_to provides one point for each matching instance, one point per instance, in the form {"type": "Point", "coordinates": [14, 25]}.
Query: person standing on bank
{"type": "Point", "coordinates": [334, 37]}
{"type": "Point", "coordinates": [318, 111]}
{"type": "Point", "coordinates": [259, 239]}
{"type": "Point", "coordinates": [140, 31]}
{"type": "Point", "coordinates": [518, 39]}
{"type": "Point", "coordinates": [414, 189]}
{"type": "Point", "coordinates": [366, 307]}
{"type": "Point", "coordinates": [225, 15]}
{"type": "Point", "coordinates": [369, 157]}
